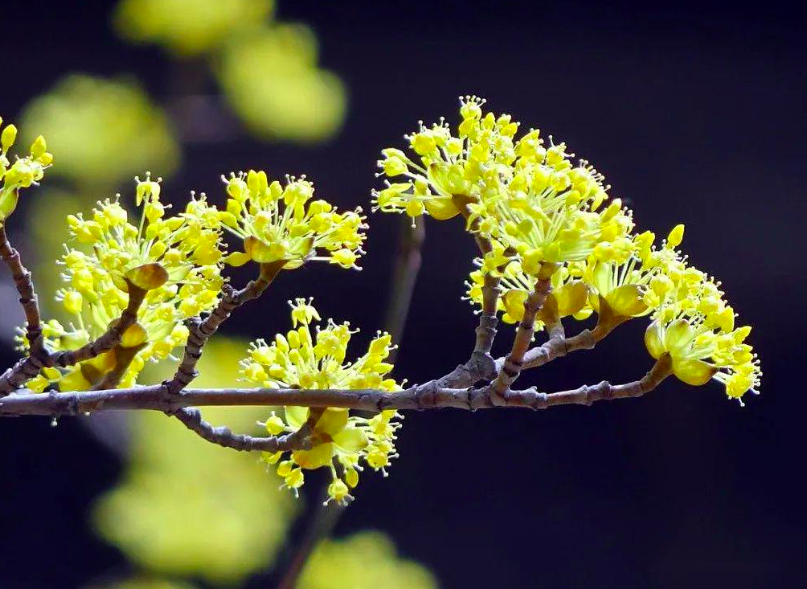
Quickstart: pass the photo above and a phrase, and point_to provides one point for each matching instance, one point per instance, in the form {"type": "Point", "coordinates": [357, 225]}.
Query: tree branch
{"type": "Point", "coordinates": [223, 436]}
{"type": "Point", "coordinates": [405, 275]}
{"type": "Point", "coordinates": [25, 287]}
{"type": "Point", "coordinates": [481, 365]}
{"type": "Point", "coordinates": [415, 398]}
{"type": "Point", "coordinates": [521, 343]}
{"type": "Point", "coordinates": [27, 368]}
{"type": "Point", "coordinates": [202, 330]}
{"type": "Point", "coordinates": [108, 340]}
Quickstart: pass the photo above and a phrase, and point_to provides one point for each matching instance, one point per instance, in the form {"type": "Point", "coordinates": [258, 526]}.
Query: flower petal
{"type": "Point", "coordinates": [693, 372]}
{"type": "Point", "coordinates": [626, 300]}
{"type": "Point", "coordinates": [653, 340]}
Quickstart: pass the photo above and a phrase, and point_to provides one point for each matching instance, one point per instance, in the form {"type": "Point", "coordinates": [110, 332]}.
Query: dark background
{"type": "Point", "coordinates": [695, 112]}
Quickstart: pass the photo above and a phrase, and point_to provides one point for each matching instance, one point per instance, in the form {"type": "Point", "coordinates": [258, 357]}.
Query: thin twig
{"type": "Point", "coordinates": [108, 340]}
{"type": "Point", "coordinates": [202, 330]}
{"type": "Point", "coordinates": [407, 266]}
{"type": "Point", "coordinates": [481, 364]}
{"type": "Point", "coordinates": [321, 525]}
{"type": "Point", "coordinates": [123, 359]}
{"type": "Point", "coordinates": [526, 328]}
{"type": "Point", "coordinates": [223, 436]}
{"type": "Point", "coordinates": [25, 288]}
{"type": "Point", "coordinates": [39, 357]}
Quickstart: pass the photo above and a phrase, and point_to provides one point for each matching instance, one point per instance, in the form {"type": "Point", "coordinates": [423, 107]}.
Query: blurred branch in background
{"type": "Point", "coordinates": [322, 520]}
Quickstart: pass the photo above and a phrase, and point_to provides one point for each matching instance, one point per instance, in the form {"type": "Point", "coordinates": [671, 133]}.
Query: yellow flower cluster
{"type": "Point", "coordinates": [175, 259]}
{"type": "Point", "coordinates": [695, 326]}
{"type": "Point", "coordinates": [206, 23]}
{"type": "Point", "coordinates": [569, 296]}
{"type": "Point", "coordinates": [366, 560]}
{"type": "Point", "coordinates": [88, 118]}
{"type": "Point", "coordinates": [525, 196]}
{"type": "Point", "coordinates": [311, 103]}
{"type": "Point", "coordinates": [544, 217]}
{"type": "Point", "coordinates": [21, 173]}
{"type": "Point", "coordinates": [341, 441]}
{"type": "Point", "coordinates": [280, 223]}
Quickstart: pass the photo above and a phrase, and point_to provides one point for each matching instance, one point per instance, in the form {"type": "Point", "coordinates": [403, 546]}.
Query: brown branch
{"type": "Point", "coordinates": [27, 368]}
{"type": "Point", "coordinates": [407, 267]}
{"type": "Point", "coordinates": [481, 365]}
{"type": "Point", "coordinates": [415, 398]}
{"type": "Point", "coordinates": [25, 288]}
{"type": "Point", "coordinates": [23, 370]}
{"type": "Point", "coordinates": [108, 340]}
{"type": "Point", "coordinates": [202, 330]}
{"type": "Point", "coordinates": [223, 436]}
{"type": "Point", "coordinates": [123, 359]}
{"type": "Point", "coordinates": [521, 343]}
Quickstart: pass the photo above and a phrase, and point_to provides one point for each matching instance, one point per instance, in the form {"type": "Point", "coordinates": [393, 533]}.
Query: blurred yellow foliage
{"type": "Point", "coordinates": [187, 27]}
{"type": "Point", "coordinates": [103, 130]}
{"type": "Point", "coordinates": [271, 79]}
{"type": "Point", "coordinates": [144, 584]}
{"type": "Point", "coordinates": [366, 560]}
{"type": "Point", "coordinates": [188, 507]}
{"type": "Point", "coordinates": [49, 233]}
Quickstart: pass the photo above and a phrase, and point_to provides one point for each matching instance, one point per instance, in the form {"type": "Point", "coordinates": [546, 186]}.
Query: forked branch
{"type": "Point", "coordinates": [416, 398]}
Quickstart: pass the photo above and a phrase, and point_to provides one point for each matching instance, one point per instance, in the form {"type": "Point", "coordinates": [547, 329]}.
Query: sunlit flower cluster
{"type": "Point", "coordinates": [22, 172]}
{"type": "Point", "coordinates": [695, 326]}
{"type": "Point", "coordinates": [280, 223]}
{"type": "Point", "coordinates": [341, 442]}
{"type": "Point", "coordinates": [176, 260]}
{"type": "Point", "coordinates": [569, 296]}
{"type": "Point", "coordinates": [545, 217]}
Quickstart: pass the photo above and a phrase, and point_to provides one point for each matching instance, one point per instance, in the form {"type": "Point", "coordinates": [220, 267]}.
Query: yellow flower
{"type": "Point", "coordinates": [446, 165]}
{"type": "Point", "coordinates": [281, 223]}
{"type": "Point", "coordinates": [176, 260]}
{"type": "Point", "coordinates": [569, 295]}
{"type": "Point", "coordinates": [697, 329]}
{"type": "Point", "coordinates": [23, 173]}
{"type": "Point", "coordinates": [158, 250]}
{"type": "Point", "coordinates": [527, 196]}
{"type": "Point", "coordinates": [630, 275]}
{"type": "Point", "coordinates": [302, 360]}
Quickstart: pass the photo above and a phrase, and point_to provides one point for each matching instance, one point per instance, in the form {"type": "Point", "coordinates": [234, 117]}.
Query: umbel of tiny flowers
{"type": "Point", "coordinates": [23, 172]}
{"type": "Point", "coordinates": [174, 262]}
{"type": "Point", "coordinates": [341, 442]}
{"type": "Point", "coordinates": [281, 224]}
{"type": "Point", "coordinates": [695, 326]}
{"type": "Point", "coordinates": [569, 295]}
{"type": "Point", "coordinates": [525, 198]}
{"type": "Point", "coordinates": [543, 217]}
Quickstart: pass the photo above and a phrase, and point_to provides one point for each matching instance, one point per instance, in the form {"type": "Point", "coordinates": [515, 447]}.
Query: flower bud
{"type": "Point", "coordinates": [8, 137]}
{"type": "Point", "coordinates": [148, 276]}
